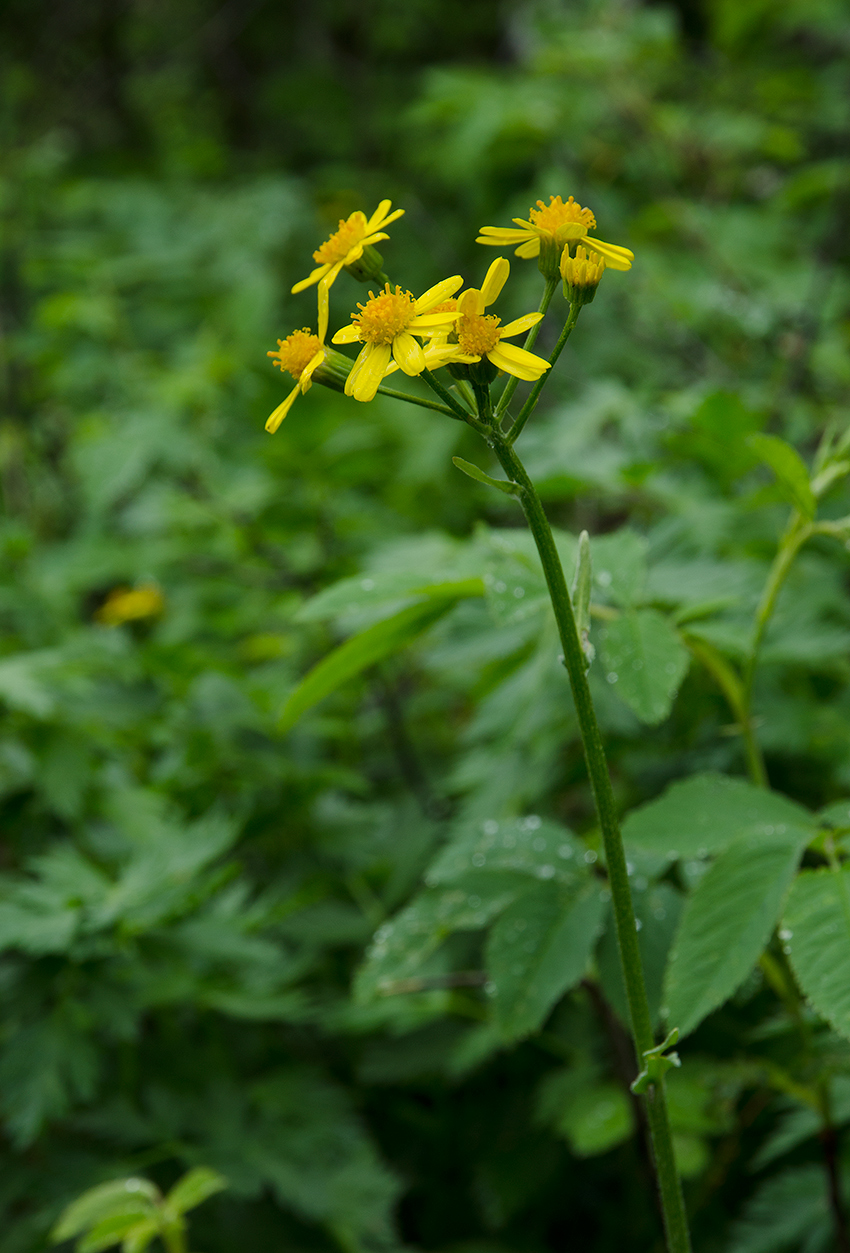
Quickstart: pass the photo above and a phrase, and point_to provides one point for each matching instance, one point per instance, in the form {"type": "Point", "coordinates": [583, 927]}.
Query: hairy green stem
{"type": "Point", "coordinates": [528, 408]}
{"type": "Point", "coordinates": [675, 1220]}
{"type": "Point", "coordinates": [530, 339]}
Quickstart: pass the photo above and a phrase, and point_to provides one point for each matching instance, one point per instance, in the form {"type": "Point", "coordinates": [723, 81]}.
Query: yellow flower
{"type": "Point", "coordinates": [301, 353]}
{"type": "Point", "coordinates": [581, 275]}
{"type": "Point", "coordinates": [125, 604]}
{"type": "Point", "coordinates": [386, 325]}
{"type": "Point", "coordinates": [556, 224]}
{"type": "Point", "coordinates": [480, 334]}
{"type": "Point", "coordinates": [346, 244]}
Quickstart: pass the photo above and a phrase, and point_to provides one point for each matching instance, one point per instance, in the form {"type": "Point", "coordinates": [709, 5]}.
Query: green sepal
{"type": "Point", "coordinates": [656, 1064]}
{"type": "Point", "coordinates": [510, 489]}
{"type": "Point", "coordinates": [368, 267]}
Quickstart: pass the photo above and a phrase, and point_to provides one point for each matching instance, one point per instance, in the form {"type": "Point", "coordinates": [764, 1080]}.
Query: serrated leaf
{"type": "Point", "coordinates": [195, 1186]}
{"type": "Point", "coordinates": [816, 925]}
{"type": "Point", "coordinates": [531, 845]}
{"type": "Point", "coordinates": [726, 922]}
{"type": "Point", "coordinates": [646, 661]}
{"type": "Point", "coordinates": [705, 813]}
{"type": "Point", "coordinates": [538, 949]}
{"type": "Point", "coordinates": [402, 944]}
{"type": "Point", "coordinates": [361, 651]}
{"type": "Point", "coordinates": [786, 1210]}
{"type": "Point", "coordinates": [791, 471]}
{"type": "Point", "coordinates": [118, 1198]}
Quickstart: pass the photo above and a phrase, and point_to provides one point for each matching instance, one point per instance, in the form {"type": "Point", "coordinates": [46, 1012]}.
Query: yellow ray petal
{"type": "Point", "coordinates": [281, 411]}
{"type": "Point", "coordinates": [408, 354]}
{"type": "Point", "coordinates": [517, 361]}
{"type": "Point", "coordinates": [306, 380]}
{"type": "Point", "coordinates": [373, 239]}
{"type": "Point", "coordinates": [430, 321]}
{"type": "Point", "coordinates": [519, 325]}
{"type": "Point", "coordinates": [501, 235]}
{"type": "Point", "coordinates": [323, 310]}
{"type": "Point", "coordinates": [313, 277]}
{"type": "Point", "coordinates": [531, 248]}
{"type": "Point", "coordinates": [495, 280]}
{"type": "Point", "coordinates": [347, 335]}
{"type": "Point", "coordinates": [616, 258]}
{"type": "Point", "coordinates": [371, 372]}
{"type": "Point", "coordinates": [379, 214]}
{"type": "Point", "coordinates": [471, 302]}
{"type": "Point", "coordinates": [359, 362]}
{"type": "Point", "coordinates": [438, 293]}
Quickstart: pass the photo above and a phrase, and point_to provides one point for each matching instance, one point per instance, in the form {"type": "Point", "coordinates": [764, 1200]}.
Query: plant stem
{"type": "Point", "coordinates": [526, 411]}
{"type": "Point", "coordinates": [455, 408]}
{"type": "Point", "coordinates": [416, 400]}
{"type": "Point", "coordinates": [675, 1220]}
{"type": "Point", "coordinates": [796, 534]}
{"type": "Point", "coordinates": [531, 337]}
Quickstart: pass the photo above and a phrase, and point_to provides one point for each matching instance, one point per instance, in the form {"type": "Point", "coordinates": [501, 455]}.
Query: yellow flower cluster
{"type": "Point", "coordinates": [399, 331]}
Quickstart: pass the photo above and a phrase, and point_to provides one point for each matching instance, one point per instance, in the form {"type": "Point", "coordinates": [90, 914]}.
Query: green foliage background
{"type": "Point", "coordinates": [187, 890]}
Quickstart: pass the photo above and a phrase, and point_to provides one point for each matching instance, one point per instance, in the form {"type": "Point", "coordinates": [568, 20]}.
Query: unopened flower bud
{"type": "Point", "coordinates": [581, 274]}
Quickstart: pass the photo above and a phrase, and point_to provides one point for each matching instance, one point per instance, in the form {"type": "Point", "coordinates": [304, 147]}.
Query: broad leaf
{"type": "Point", "coordinates": [195, 1186]}
{"type": "Point", "coordinates": [645, 658]}
{"type": "Point", "coordinates": [705, 813]}
{"type": "Point", "coordinates": [131, 1199]}
{"type": "Point", "coordinates": [619, 567]}
{"type": "Point", "coordinates": [401, 945]}
{"type": "Point", "coordinates": [789, 1212]}
{"type": "Point", "coordinates": [361, 651]}
{"type": "Point", "coordinates": [726, 923]}
{"type": "Point", "coordinates": [791, 472]}
{"type": "Point", "coordinates": [816, 932]}
{"type": "Point", "coordinates": [530, 845]}
{"type": "Point", "coordinates": [537, 950]}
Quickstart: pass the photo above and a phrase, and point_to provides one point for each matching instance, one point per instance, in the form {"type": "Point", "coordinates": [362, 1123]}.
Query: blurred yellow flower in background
{"type": "Point", "coordinates": [129, 604]}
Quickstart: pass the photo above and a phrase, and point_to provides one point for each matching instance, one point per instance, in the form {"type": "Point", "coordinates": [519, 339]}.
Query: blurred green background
{"type": "Point", "coordinates": [186, 891]}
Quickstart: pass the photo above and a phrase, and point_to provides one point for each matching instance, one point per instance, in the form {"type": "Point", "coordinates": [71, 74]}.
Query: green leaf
{"type": "Point", "coordinates": [510, 489]}
{"type": "Point", "coordinates": [132, 1198]}
{"type": "Point", "coordinates": [726, 922]}
{"type": "Point", "coordinates": [598, 1119]}
{"type": "Point", "coordinates": [705, 813]}
{"type": "Point", "coordinates": [619, 567]}
{"type": "Point", "coordinates": [138, 1239]}
{"type": "Point", "coordinates": [791, 471]}
{"type": "Point", "coordinates": [401, 945]}
{"type": "Point", "coordinates": [789, 1212]}
{"type": "Point", "coordinates": [538, 949]}
{"type": "Point", "coordinates": [531, 845]}
{"type": "Point", "coordinates": [195, 1186]}
{"type": "Point", "coordinates": [118, 1229]}
{"type": "Point", "coordinates": [816, 932]}
{"type": "Point", "coordinates": [361, 651]}
{"type": "Point", "coordinates": [646, 660]}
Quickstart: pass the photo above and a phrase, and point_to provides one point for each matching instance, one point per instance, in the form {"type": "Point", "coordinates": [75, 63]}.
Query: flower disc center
{"type": "Point", "coordinates": [478, 333]}
{"type": "Point", "coordinates": [297, 351]}
{"type": "Point", "coordinates": [385, 316]}
{"type": "Point", "coordinates": [340, 243]}
{"type": "Point", "coordinates": [557, 214]}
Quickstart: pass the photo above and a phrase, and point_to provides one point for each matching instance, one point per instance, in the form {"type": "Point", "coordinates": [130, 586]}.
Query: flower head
{"type": "Point", "coordinates": [386, 326]}
{"type": "Point", "coordinates": [581, 275]}
{"type": "Point", "coordinates": [300, 354]}
{"type": "Point", "coordinates": [481, 335]}
{"type": "Point", "coordinates": [348, 242]}
{"type": "Point", "coordinates": [556, 226]}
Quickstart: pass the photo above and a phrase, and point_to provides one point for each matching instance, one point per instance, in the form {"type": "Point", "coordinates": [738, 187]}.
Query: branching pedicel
{"type": "Point", "coordinates": [437, 332]}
